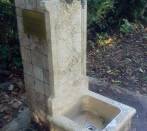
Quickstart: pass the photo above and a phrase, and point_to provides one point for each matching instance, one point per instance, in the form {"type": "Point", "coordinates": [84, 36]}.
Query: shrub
{"type": "Point", "coordinates": [97, 10]}
{"type": "Point", "coordinates": [97, 13]}
{"type": "Point", "coordinates": [130, 9]}
{"type": "Point", "coordinates": [126, 27]}
{"type": "Point", "coordinates": [9, 44]}
{"type": "Point", "coordinates": [107, 14]}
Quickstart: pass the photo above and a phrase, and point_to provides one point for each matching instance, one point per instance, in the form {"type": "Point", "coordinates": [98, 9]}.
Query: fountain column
{"type": "Point", "coordinates": [52, 36]}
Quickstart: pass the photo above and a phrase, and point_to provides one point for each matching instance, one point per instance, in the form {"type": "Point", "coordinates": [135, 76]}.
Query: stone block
{"type": "Point", "coordinates": [38, 72]}
{"type": "Point", "coordinates": [26, 54]}
{"type": "Point", "coordinates": [39, 8]}
{"type": "Point", "coordinates": [29, 82]}
{"type": "Point", "coordinates": [28, 68]}
{"type": "Point", "coordinates": [30, 100]}
{"type": "Point", "coordinates": [18, 12]}
{"type": "Point", "coordinates": [39, 86]}
{"type": "Point", "coordinates": [40, 46]}
{"type": "Point", "coordinates": [38, 105]}
{"type": "Point", "coordinates": [48, 28]}
{"type": "Point", "coordinates": [24, 40]}
{"type": "Point", "coordinates": [34, 42]}
{"type": "Point", "coordinates": [45, 62]}
{"type": "Point", "coordinates": [44, 48]}
{"type": "Point", "coordinates": [39, 59]}
{"type": "Point", "coordinates": [20, 24]}
{"type": "Point", "coordinates": [31, 4]}
{"type": "Point", "coordinates": [20, 3]}
{"type": "Point", "coordinates": [46, 76]}
{"type": "Point", "coordinates": [48, 91]}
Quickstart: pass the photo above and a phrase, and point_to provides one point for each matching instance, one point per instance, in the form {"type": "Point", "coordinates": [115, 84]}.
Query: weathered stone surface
{"type": "Point", "coordinates": [26, 54]}
{"type": "Point", "coordinates": [46, 76]}
{"type": "Point", "coordinates": [18, 12]}
{"type": "Point", "coordinates": [48, 91]}
{"type": "Point", "coordinates": [55, 66]}
{"type": "Point", "coordinates": [29, 82]}
{"type": "Point", "coordinates": [20, 3]}
{"type": "Point", "coordinates": [67, 44]}
{"type": "Point", "coordinates": [28, 68]}
{"type": "Point", "coordinates": [38, 105]}
{"type": "Point", "coordinates": [42, 47]}
{"type": "Point", "coordinates": [39, 59]}
{"type": "Point", "coordinates": [24, 40]}
{"type": "Point", "coordinates": [31, 4]}
{"type": "Point", "coordinates": [39, 86]}
{"type": "Point", "coordinates": [19, 20]}
{"type": "Point", "coordinates": [59, 65]}
{"type": "Point", "coordinates": [38, 72]}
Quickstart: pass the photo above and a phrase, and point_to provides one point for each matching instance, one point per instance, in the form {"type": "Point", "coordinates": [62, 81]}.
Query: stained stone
{"type": "Point", "coordinates": [20, 3]}
{"type": "Point", "coordinates": [28, 68]}
{"type": "Point", "coordinates": [59, 81]}
{"type": "Point", "coordinates": [58, 61]}
{"type": "Point", "coordinates": [31, 4]}
{"type": "Point", "coordinates": [26, 54]}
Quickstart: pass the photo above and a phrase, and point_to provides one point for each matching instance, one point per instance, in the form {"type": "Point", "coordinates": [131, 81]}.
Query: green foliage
{"type": "Point", "coordinates": [97, 10]}
{"type": "Point", "coordinates": [130, 9]}
{"type": "Point", "coordinates": [10, 56]}
{"type": "Point", "coordinates": [102, 39]}
{"type": "Point", "coordinates": [9, 44]}
{"type": "Point", "coordinates": [107, 14]}
{"type": "Point", "coordinates": [4, 49]}
{"type": "Point", "coordinates": [126, 27]}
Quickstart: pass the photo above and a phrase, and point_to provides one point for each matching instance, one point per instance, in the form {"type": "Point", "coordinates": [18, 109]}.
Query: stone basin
{"type": "Point", "coordinates": [94, 112]}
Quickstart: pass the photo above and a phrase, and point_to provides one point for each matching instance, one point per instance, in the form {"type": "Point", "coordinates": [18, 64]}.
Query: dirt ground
{"type": "Point", "coordinates": [123, 63]}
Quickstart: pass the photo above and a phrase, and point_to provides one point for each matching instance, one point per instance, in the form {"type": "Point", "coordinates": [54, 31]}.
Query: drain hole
{"type": "Point", "coordinates": [91, 128]}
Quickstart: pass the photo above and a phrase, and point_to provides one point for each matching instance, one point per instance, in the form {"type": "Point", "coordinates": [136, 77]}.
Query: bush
{"type": "Point", "coordinates": [126, 27]}
{"type": "Point", "coordinates": [98, 9]}
{"type": "Point", "coordinates": [97, 13]}
{"type": "Point", "coordinates": [130, 9]}
{"type": "Point", "coordinates": [9, 44]}
{"type": "Point", "coordinates": [107, 14]}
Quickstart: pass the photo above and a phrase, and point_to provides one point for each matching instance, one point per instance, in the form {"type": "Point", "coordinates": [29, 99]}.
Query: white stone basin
{"type": "Point", "coordinates": [95, 113]}
{"type": "Point", "coordinates": [92, 113]}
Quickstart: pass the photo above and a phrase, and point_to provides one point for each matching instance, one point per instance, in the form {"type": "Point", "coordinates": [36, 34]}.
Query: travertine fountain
{"type": "Point", "coordinates": [52, 37]}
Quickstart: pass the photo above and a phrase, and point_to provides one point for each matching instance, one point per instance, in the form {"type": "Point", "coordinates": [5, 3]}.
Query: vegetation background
{"type": "Point", "coordinates": [9, 44]}
{"type": "Point", "coordinates": [104, 17]}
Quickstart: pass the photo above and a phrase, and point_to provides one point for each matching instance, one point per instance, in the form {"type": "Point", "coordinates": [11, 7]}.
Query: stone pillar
{"type": "Point", "coordinates": [52, 37]}
{"type": "Point", "coordinates": [35, 53]}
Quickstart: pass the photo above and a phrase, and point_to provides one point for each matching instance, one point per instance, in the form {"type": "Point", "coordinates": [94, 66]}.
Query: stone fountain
{"type": "Point", "coordinates": [52, 37]}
